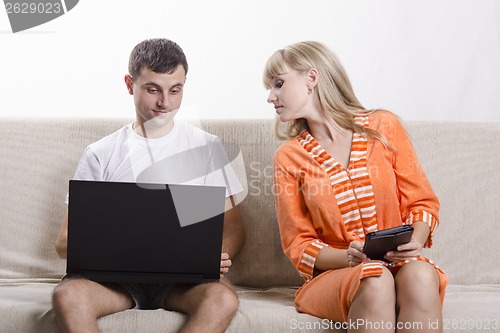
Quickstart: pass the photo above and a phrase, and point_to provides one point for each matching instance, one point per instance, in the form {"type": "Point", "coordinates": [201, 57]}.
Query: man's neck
{"type": "Point", "coordinates": [150, 130]}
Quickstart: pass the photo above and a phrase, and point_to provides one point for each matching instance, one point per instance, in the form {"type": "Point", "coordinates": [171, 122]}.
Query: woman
{"type": "Point", "coordinates": [346, 171]}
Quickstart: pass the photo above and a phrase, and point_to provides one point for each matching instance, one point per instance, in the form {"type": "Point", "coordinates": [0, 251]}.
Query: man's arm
{"type": "Point", "coordinates": [62, 238]}
{"type": "Point", "coordinates": [234, 231]}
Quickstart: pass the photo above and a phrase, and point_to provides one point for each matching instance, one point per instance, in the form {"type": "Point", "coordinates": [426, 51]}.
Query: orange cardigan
{"type": "Point", "coordinates": [319, 203]}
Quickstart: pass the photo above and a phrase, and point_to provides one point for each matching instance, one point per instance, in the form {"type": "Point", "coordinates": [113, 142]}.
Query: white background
{"type": "Point", "coordinates": [423, 59]}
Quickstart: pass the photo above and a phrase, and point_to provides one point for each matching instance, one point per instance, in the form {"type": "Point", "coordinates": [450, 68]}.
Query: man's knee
{"type": "Point", "coordinates": [68, 293]}
{"type": "Point", "coordinates": [223, 298]}
{"type": "Point", "coordinates": [220, 301]}
{"type": "Point", "coordinates": [62, 293]}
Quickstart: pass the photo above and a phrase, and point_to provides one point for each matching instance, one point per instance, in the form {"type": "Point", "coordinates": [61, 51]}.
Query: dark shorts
{"type": "Point", "coordinates": [148, 296]}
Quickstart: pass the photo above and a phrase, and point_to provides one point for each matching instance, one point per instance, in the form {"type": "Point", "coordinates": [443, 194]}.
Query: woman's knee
{"type": "Point", "coordinates": [377, 290]}
{"type": "Point", "coordinates": [418, 276]}
{"type": "Point", "coordinates": [417, 283]}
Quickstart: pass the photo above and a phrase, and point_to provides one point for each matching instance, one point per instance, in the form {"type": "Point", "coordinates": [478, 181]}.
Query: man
{"type": "Point", "coordinates": [157, 73]}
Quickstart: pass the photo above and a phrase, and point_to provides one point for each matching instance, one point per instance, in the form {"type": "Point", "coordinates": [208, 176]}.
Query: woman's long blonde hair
{"type": "Point", "coordinates": [336, 96]}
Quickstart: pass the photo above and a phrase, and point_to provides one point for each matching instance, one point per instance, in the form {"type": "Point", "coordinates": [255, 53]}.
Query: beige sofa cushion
{"type": "Point", "coordinates": [462, 163]}
{"type": "Point", "coordinates": [27, 308]}
{"type": "Point", "coordinates": [39, 156]}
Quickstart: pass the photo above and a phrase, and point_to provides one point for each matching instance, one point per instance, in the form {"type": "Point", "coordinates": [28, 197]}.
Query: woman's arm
{"type": "Point", "coordinates": [299, 238]}
{"type": "Point", "coordinates": [418, 202]}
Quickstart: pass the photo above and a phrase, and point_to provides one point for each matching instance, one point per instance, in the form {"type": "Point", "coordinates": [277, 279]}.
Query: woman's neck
{"type": "Point", "coordinates": [324, 129]}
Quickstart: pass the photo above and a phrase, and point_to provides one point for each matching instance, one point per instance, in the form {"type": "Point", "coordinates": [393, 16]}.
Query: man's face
{"type": "Point", "coordinates": [157, 96]}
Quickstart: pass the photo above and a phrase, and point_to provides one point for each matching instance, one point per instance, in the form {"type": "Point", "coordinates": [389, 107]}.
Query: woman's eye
{"type": "Point", "coordinates": [279, 84]}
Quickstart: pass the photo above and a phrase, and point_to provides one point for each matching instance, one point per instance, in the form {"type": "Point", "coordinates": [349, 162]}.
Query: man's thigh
{"type": "Point", "coordinates": [101, 298]}
{"type": "Point", "coordinates": [187, 298]}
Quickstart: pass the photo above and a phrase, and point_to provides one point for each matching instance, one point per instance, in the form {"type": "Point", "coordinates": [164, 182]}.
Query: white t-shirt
{"type": "Point", "coordinates": [186, 155]}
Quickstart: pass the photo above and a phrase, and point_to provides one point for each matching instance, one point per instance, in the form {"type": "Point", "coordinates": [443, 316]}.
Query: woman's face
{"type": "Point", "coordinates": [290, 95]}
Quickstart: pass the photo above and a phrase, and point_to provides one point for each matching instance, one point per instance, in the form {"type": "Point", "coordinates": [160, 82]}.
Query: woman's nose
{"type": "Point", "coordinates": [271, 97]}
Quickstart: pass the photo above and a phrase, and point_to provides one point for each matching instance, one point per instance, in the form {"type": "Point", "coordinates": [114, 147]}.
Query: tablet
{"type": "Point", "coordinates": [378, 243]}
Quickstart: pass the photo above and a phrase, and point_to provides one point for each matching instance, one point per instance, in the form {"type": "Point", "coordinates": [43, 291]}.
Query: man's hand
{"type": "Point", "coordinates": [225, 263]}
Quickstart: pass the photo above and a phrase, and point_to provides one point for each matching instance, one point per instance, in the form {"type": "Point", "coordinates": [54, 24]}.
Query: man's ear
{"type": "Point", "coordinates": [129, 83]}
{"type": "Point", "coordinates": [312, 78]}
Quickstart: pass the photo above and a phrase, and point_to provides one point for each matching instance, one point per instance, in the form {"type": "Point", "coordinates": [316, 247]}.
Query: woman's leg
{"type": "Point", "coordinates": [373, 309]}
{"type": "Point", "coordinates": [418, 302]}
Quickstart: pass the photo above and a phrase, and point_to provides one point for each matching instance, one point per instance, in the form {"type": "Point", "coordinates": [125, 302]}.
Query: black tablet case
{"type": "Point", "coordinates": [378, 243]}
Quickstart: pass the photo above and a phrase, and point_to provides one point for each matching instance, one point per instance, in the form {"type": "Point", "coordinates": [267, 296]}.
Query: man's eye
{"type": "Point", "coordinates": [152, 90]}
{"type": "Point", "coordinates": [174, 91]}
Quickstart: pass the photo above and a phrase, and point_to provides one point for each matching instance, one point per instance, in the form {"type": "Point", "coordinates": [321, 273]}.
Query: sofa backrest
{"type": "Point", "coordinates": [462, 161]}
{"type": "Point", "coordinates": [39, 156]}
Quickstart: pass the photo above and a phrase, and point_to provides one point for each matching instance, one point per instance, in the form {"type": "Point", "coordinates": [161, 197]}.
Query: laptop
{"type": "Point", "coordinates": [145, 233]}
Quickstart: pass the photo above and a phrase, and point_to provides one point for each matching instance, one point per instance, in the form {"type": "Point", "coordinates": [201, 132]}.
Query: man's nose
{"type": "Point", "coordinates": [162, 101]}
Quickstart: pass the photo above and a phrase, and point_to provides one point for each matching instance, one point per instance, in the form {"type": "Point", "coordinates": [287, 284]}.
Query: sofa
{"type": "Point", "coordinates": [39, 156]}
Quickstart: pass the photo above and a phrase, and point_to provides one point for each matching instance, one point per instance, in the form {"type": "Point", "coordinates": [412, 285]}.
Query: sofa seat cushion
{"type": "Point", "coordinates": [474, 308]}
{"type": "Point", "coordinates": [26, 307]}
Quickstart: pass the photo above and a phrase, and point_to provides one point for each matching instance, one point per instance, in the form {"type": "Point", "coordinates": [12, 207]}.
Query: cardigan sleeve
{"type": "Point", "coordinates": [299, 239]}
{"type": "Point", "coordinates": [417, 199]}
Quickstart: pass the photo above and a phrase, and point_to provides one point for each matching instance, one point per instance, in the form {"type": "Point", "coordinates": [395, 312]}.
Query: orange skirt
{"type": "Point", "coordinates": [329, 295]}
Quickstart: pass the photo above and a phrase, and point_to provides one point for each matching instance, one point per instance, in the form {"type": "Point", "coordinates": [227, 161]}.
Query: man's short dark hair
{"type": "Point", "coordinates": [160, 55]}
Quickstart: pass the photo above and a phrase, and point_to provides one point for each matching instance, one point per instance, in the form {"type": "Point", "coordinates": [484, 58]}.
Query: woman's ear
{"type": "Point", "coordinates": [312, 78]}
{"type": "Point", "coordinates": [129, 83]}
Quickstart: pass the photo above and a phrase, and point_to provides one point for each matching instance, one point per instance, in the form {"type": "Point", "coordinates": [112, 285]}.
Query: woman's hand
{"type": "Point", "coordinates": [409, 250]}
{"type": "Point", "coordinates": [225, 263]}
{"type": "Point", "coordinates": [355, 255]}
